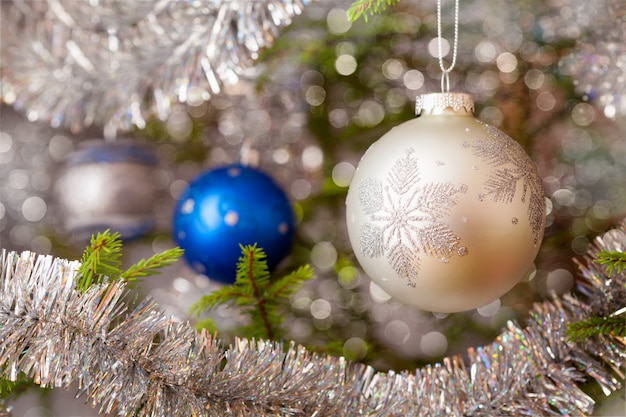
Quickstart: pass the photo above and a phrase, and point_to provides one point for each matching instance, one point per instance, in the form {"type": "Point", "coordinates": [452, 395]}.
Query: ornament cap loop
{"type": "Point", "coordinates": [438, 103]}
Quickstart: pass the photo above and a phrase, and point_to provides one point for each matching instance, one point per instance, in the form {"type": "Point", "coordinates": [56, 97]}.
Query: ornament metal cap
{"type": "Point", "coordinates": [437, 103]}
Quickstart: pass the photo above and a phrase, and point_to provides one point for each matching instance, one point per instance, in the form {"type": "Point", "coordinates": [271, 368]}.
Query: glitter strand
{"type": "Point", "coordinates": [112, 65]}
{"type": "Point", "coordinates": [144, 363]}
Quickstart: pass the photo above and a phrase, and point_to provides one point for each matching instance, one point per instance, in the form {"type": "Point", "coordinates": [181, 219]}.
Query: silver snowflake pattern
{"type": "Point", "coordinates": [407, 218]}
{"type": "Point", "coordinates": [512, 165]}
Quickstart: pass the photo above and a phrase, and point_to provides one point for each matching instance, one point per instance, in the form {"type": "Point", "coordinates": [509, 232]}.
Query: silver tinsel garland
{"type": "Point", "coordinates": [115, 63]}
{"type": "Point", "coordinates": [143, 363]}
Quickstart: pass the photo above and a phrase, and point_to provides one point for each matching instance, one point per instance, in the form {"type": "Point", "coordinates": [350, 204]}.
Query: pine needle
{"type": "Point", "coordinates": [368, 7]}
{"type": "Point", "coordinates": [287, 285]}
{"type": "Point", "coordinates": [614, 261]}
{"type": "Point", "coordinates": [149, 266]}
{"type": "Point", "coordinates": [256, 294]}
{"type": "Point", "coordinates": [593, 326]}
{"type": "Point", "coordinates": [100, 260]}
{"type": "Point", "coordinates": [207, 324]}
{"type": "Point", "coordinates": [231, 294]}
{"type": "Point", "coordinates": [10, 388]}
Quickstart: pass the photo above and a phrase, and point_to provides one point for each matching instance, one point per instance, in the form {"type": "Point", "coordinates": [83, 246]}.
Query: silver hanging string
{"type": "Point", "coordinates": [445, 77]}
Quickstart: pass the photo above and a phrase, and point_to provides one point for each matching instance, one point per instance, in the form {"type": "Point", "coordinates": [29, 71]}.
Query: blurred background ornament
{"type": "Point", "coordinates": [446, 212]}
{"type": "Point", "coordinates": [230, 206]}
{"type": "Point", "coordinates": [107, 185]}
{"type": "Point", "coordinates": [78, 63]}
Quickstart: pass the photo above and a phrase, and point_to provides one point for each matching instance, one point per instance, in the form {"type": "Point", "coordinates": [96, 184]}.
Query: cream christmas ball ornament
{"type": "Point", "coordinates": [445, 212]}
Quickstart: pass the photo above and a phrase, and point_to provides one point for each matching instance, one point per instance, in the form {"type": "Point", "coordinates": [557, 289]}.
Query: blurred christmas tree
{"type": "Point", "coordinates": [549, 74]}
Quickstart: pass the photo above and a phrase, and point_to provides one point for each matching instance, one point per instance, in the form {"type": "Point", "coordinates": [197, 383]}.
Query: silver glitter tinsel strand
{"type": "Point", "coordinates": [115, 64]}
{"type": "Point", "coordinates": [143, 363]}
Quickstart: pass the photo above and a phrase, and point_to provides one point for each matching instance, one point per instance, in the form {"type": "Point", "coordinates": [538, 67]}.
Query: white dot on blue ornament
{"type": "Point", "coordinates": [230, 206]}
{"type": "Point", "coordinates": [231, 218]}
{"type": "Point", "coordinates": [187, 206]}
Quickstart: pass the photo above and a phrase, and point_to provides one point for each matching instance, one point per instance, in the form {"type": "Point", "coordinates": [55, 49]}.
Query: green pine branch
{"type": "Point", "coordinates": [287, 285]}
{"type": "Point", "coordinates": [150, 266]}
{"type": "Point", "coordinates": [366, 8]}
{"type": "Point", "coordinates": [101, 262]}
{"type": "Point", "coordinates": [614, 325]}
{"type": "Point", "coordinates": [231, 294]}
{"type": "Point", "coordinates": [14, 388]}
{"type": "Point", "coordinates": [253, 267]}
{"type": "Point", "coordinates": [593, 326]}
{"type": "Point", "coordinates": [614, 261]}
{"type": "Point", "coordinates": [256, 294]}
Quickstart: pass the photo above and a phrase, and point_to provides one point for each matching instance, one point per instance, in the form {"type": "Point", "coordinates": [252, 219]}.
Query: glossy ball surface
{"type": "Point", "coordinates": [228, 206]}
{"type": "Point", "coordinates": [445, 212]}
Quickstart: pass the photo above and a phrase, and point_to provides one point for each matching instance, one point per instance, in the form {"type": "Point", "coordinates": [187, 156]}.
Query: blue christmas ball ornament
{"type": "Point", "coordinates": [228, 206]}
